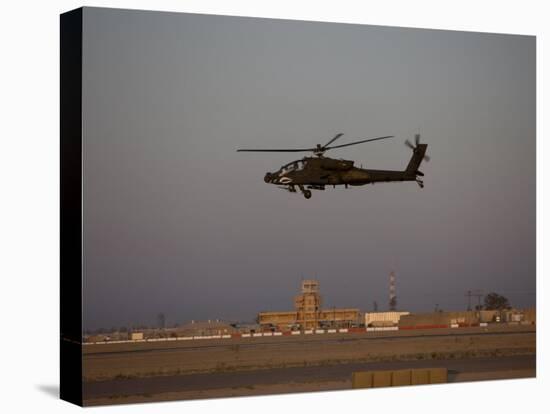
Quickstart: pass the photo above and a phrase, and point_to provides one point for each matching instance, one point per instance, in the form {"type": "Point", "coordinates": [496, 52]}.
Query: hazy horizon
{"type": "Point", "coordinates": [176, 221]}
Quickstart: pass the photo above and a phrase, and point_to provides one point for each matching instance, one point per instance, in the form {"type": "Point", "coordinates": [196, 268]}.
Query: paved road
{"type": "Point", "coordinates": [155, 385]}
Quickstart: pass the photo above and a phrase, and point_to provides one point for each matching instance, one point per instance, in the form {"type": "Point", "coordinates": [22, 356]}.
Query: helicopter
{"type": "Point", "coordinates": [315, 173]}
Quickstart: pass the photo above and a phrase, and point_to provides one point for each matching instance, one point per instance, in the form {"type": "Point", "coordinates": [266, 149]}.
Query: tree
{"type": "Point", "coordinates": [494, 301]}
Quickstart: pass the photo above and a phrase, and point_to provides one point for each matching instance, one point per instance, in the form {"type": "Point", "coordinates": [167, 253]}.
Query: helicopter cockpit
{"type": "Point", "coordinates": [291, 167]}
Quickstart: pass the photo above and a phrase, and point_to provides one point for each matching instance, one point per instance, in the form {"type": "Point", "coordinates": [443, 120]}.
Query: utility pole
{"type": "Point", "coordinates": [479, 295]}
{"type": "Point", "coordinates": [474, 293]}
{"type": "Point", "coordinates": [469, 294]}
{"type": "Point", "coordinates": [161, 321]}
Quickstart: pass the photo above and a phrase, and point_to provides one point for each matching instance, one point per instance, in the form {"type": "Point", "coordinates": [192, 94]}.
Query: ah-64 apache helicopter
{"type": "Point", "coordinates": [314, 173]}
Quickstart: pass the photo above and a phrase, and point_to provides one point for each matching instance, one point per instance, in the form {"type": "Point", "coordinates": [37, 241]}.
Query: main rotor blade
{"type": "Point", "coordinates": [408, 144]}
{"type": "Point", "coordinates": [277, 150]}
{"type": "Point", "coordinates": [357, 142]}
{"type": "Point", "coordinates": [333, 139]}
{"type": "Point", "coordinates": [417, 139]}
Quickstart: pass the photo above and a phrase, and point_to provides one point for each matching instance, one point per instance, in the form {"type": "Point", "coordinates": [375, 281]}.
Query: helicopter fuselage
{"type": "Point", "coordinates": [321, 171]}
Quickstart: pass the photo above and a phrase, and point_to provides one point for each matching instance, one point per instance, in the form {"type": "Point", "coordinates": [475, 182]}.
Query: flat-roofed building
{"type": "Point", "coordinates": [383, 318]}
{"type": "Point", "coordinates": [206, 328]}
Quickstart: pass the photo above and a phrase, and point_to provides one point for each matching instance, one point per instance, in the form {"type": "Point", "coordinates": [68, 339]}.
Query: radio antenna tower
{"type": "Point", "coordinates": [393, 297]}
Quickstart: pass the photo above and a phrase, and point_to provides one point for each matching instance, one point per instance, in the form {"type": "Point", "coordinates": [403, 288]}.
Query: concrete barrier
{"type": "Point", "coordinates": [401, 377]}
{"type": "Point", "coordinates": [361, 379]}
{"type": "Point", "coordinates": [420, 376]}
{"type": "Point", "coordinates": [405, 327]}
{"type": "Point", "coordinates": [396, 378]}
{"type": "Point", "coordinates": [382, 328]}
{"type": "Point", "coordinates": [382, 379]}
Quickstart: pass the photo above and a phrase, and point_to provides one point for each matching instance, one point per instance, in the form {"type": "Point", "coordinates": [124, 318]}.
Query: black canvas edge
{"type": "Point", "coordinates": [71, 206]}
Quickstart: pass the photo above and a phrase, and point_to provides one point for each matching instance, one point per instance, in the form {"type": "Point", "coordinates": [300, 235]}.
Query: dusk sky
{"type": "Point", "coordinates": [176, 221]}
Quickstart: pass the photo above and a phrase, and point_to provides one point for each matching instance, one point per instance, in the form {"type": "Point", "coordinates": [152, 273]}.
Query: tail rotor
{"type": "Point", "coordinates": [415, 147]}
{"type": "Point", "coordinates": [419, 155]}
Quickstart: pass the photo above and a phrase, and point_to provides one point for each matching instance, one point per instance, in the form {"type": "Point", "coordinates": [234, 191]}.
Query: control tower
{"type": "Point", "coordinates": [308, 304]}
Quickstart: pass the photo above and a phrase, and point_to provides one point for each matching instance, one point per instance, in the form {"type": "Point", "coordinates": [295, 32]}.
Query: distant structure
{"type": "Point", "coordinates": [161, 321]}
{"type": "Point", "coordinates": [393, 297]}
{"type": "Point", "coordinates": [308, 313]}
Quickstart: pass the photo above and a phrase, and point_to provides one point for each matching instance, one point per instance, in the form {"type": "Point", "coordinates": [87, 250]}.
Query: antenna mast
{"type": "Point", "coordinates": [393, 297]}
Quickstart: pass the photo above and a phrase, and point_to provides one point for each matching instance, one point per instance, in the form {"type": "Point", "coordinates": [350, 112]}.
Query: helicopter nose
{"type": "Point", "coordinates": [268, 177]}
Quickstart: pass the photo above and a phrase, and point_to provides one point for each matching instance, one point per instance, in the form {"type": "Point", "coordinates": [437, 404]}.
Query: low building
{"type": "Point", "coordinates": [280, 320]}
{"type": "Point", "coordinates": [96, 338]}
{"type": "Point", "coordinates": [136, 336]}
{"type": "Point", "coordinates": [206, 328]}
{"type": "Point", "coordinates": [383, 318]}
{"type": "Point", "coordinates": [339, 317]}
{"type": "Point", "coordinates": [486, 316]}
{"type": "Point", "coordinates": [530, 315]}
{"type": "Point", "coordinates": [246, 328]}
{"type": "Point", "coordinates": [439, 319]}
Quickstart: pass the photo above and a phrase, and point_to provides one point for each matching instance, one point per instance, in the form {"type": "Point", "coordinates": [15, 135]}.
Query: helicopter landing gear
{"type": "Point", "coordinates": [306, 193]}
{"type": "Point", "coordinates": [420, 183]}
